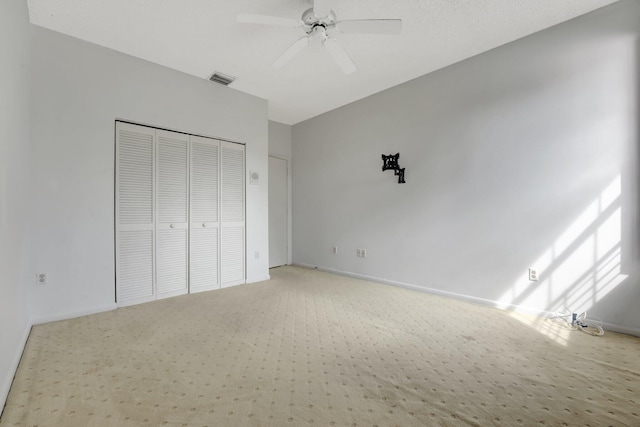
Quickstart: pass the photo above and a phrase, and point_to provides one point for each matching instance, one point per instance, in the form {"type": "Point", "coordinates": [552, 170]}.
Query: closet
{"type": "Point", "coordinates": [180, 213]}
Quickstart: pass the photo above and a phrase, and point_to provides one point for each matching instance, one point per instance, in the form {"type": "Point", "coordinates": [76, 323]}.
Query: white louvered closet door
{"type": "Point", "coordinates": [232, 214]}
{"type": "Point", "coordinates": [134, 226]}
{"type": "Point", "coordinates": [172, 213]}
{"type": "Point", "coordinates": [205, 215]}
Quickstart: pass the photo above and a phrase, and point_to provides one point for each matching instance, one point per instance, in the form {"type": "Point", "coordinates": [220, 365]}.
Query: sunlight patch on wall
{"type": "Point", "coordinates": [581, 267]}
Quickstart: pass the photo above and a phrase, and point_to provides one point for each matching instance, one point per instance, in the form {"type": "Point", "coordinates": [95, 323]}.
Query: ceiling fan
{"type": "Point", "coordinates": [319, 22]}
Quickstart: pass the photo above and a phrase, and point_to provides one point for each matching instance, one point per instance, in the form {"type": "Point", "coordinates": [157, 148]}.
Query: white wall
{"type": "Point", "coordinates": [280, 140]}
{"type": "Point", "coordinates": [15, 273]}
{"type": "Point", "coordinates": [520, 157]}
{"type": "Point", "coordinates": [78, 91]}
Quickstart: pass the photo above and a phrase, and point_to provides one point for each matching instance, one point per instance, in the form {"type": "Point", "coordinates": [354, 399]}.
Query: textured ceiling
{"type": "Point", "coordinates": [200, 36]}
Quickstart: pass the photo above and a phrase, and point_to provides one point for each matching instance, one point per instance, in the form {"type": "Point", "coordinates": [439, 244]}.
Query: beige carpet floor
{"type": "Point", "coordinates": [312, 348]}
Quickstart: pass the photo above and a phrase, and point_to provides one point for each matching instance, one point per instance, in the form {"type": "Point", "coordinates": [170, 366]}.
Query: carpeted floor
{"type": "Point", "coordinates": [312, 348]}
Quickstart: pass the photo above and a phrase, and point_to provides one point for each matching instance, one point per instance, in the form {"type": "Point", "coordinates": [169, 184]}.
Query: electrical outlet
{"type": "Point", "coordinates": [335, 249]}
{"type": "Point", "coordinates": [41, 278]}
{"type": "Point", "coordinates": [533, 275]}
{"type": "Point", "coordinates": [362, 253]}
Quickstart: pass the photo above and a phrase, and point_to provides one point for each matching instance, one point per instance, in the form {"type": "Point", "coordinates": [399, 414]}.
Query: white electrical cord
{"type": "Point", "coordinates": [579, 321]}
{"type": "Point", "coordinates": [590, 326]}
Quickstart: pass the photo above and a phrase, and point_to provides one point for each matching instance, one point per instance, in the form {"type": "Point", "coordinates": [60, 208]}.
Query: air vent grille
{"type": "Point", "coordinates": [222, 79]}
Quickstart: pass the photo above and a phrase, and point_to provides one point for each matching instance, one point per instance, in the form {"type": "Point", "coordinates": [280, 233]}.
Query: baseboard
{"type": "Point", "coordinates": [312, 267]}
{"type": "Point", "coordinates": [73, 314]}
{"type": "Point", "coordinates": [404, 285]}
{"type": "Point", "coordinates": [259, 279]}
{"type": "Point", "coordinates": [612, 327]}
{"type": "Point", "coordinates": [6, 385]}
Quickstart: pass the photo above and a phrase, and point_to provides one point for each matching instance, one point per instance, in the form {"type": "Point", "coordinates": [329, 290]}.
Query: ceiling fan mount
{"type": "Point", "coordinates": [318, 22]}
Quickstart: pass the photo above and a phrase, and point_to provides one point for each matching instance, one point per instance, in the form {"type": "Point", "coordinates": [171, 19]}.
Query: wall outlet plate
{"type": "Point", "coordinates": [533, 275]}
{"type": "Point", "coordinates": [41, 278]}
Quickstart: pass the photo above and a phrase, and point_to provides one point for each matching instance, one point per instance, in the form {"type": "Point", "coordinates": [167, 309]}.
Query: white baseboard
{"type": "Point", "coordinates": [612, 327]}
{"type": "Point", "coordinates": [433, 291]}
{"type": "Point", "coordinates": [259, 279]}
{"type": "Point", "coordinates": [6, 385]}
{"type": "Point", "coordinates": [72, 314]}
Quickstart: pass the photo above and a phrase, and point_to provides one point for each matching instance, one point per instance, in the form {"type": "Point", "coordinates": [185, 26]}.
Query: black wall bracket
{"type": "Point", "coordinates": [390, 162]}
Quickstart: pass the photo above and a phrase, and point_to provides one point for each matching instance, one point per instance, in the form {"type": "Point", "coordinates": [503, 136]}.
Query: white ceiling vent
{"type": "Point", "coordinates": [222, 79]}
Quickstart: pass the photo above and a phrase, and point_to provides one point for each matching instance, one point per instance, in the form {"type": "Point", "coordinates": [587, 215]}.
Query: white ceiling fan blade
{"type": "Point", "coordinates": [340, 56]}
{"type": "Point", "coordinates": [371, 26]}
{"type": "Point", "coordinates": [252, 18]}
{"type": "Point", "coordinates": [292, 51]}
{"type": "Point", "coordinates": [321, 8]}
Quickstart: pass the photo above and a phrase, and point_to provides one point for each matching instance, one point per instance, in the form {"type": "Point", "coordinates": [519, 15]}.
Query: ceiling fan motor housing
{"type": "Point", "coordinates": [311, 20]}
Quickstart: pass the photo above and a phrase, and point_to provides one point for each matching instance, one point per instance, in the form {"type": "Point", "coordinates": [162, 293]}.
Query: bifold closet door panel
{"type": "Point", "coordinates": [205, 216]}
{"type": "Point", "coordinates": [232, 213]}
{"type": "Point", "coordinates": [134, 227]}
{"type": "Point", "coordinates": [172, 213]}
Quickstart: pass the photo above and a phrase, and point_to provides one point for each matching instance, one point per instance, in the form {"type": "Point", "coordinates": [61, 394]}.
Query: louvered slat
{"type": "Point", "coordinates": [204, 181]}
{"type": "Point", "coordinates": [232, 183]}
{"type": "Point", "coordinates": [135, 178]}
{"type": "Point", "coordinates": [171, 258]}
{"type": "Point", "coordinates": [135, 265]}
{"type": "Point", "coordinates": [172, 180]}
{"type": "Point", "coordinates": [204, 259]}
{"type": "Point", "coordinates": [232, 254]}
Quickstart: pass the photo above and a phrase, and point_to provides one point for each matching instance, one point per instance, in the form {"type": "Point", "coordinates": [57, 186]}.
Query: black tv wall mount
{"type": "Point", "coordinates": [390, 162]}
